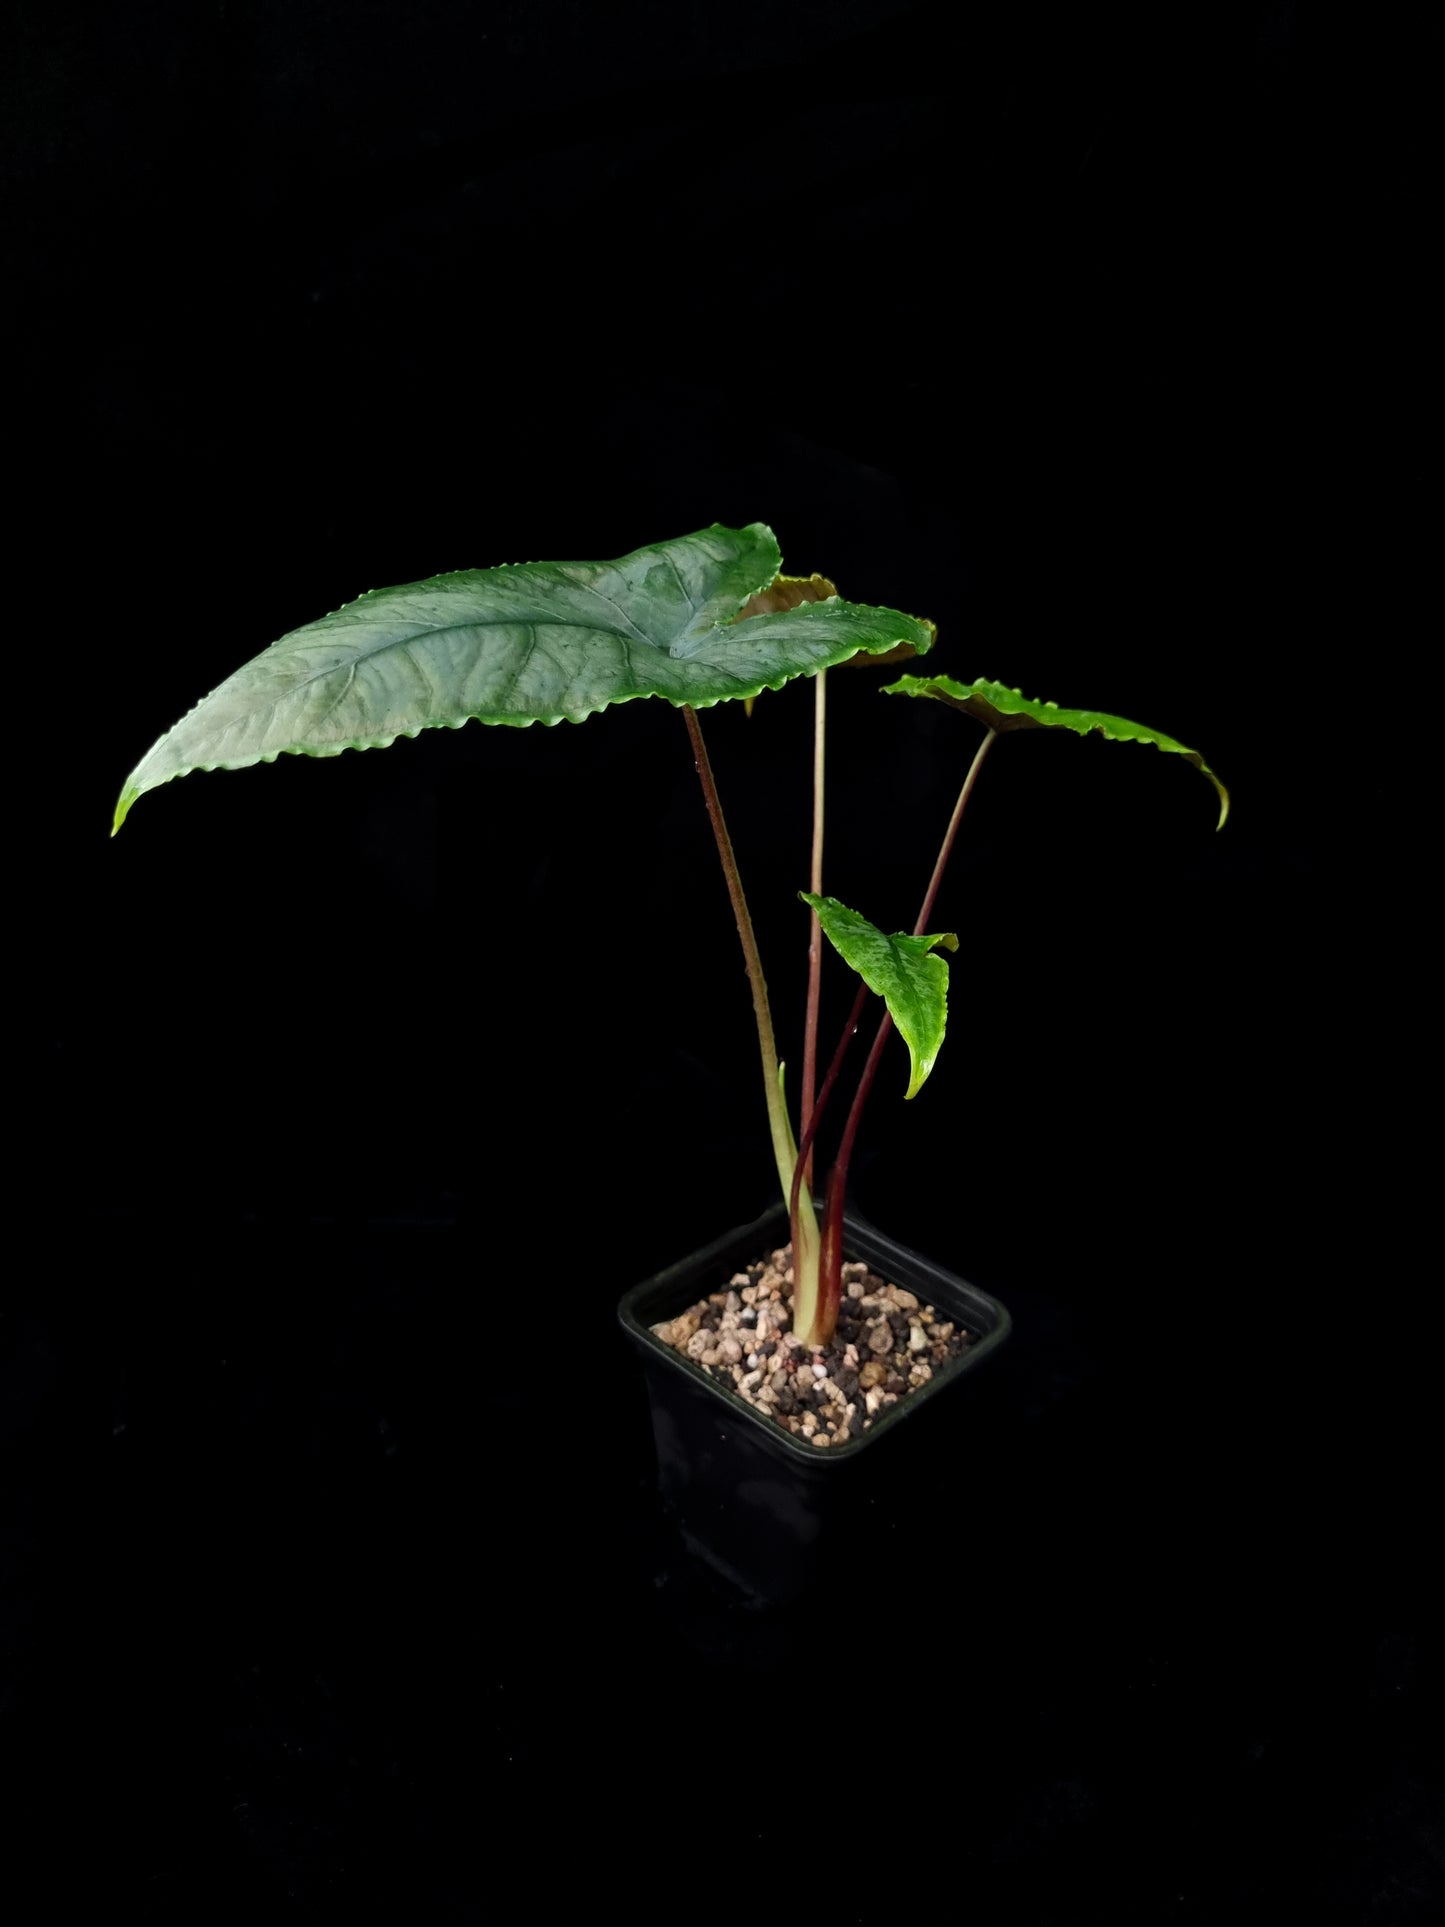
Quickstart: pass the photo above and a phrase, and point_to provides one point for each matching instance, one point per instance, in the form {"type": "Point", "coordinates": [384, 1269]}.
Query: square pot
{"type": "Point", "coordinates": [761, 1506]}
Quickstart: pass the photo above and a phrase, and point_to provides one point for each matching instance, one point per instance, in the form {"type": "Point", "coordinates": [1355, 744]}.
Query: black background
{"type": "Point", "coordinates": [1099, 337]}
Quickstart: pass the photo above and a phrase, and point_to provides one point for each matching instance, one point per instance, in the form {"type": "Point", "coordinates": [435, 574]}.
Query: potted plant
{"type": "Point", "coordinates": [787, 1350]}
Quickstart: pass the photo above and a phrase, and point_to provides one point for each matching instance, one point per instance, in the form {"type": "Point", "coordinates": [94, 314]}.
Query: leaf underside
{"type": "Point", "coordinates": [787, 591]}
{"type": "Point", "coordinates": [1005, 709]}
{"type": "Point", "coordinates": [783, 592]}
{"type": "Point", "coordinates": [533, 642]}
{"type": "Point", "coordinates": [904, 973]}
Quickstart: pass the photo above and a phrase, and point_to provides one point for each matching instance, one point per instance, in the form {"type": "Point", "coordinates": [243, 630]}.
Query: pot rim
{"type": "Point", "coordinates": [859, 1235]}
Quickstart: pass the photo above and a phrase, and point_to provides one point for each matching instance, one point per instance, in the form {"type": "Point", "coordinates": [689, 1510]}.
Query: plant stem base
{"type": "Point", "coordinates": [762, 1506]}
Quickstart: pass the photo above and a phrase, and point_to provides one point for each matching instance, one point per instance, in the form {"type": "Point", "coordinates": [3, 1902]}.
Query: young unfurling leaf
{"type": "Point", "coordinates": [903, 970]}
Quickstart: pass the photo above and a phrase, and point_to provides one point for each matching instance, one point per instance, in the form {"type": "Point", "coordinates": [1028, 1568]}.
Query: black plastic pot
{"type": "Point", "coordinates": [764, 1509]}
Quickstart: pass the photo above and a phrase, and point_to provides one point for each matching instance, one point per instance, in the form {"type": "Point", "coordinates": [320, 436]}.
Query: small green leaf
{"type": "Point", "coordinates": [1004, 709]}
{"type": "Point", "coordinates": [538, 642]}
{"type": "Point", "coordinates": [912, 982]}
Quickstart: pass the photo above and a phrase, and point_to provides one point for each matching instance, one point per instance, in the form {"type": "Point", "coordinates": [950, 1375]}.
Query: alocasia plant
{"type": "Point", "coordinates": [707, 618]}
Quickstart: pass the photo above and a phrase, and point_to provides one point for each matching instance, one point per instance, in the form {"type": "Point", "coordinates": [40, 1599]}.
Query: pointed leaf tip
{"type": "Point", "coordinates": [122, 808]}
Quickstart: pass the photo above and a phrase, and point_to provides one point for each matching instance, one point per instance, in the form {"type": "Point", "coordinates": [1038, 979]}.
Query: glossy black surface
{"type": "Point", "coordinates": [315, 1597]}
{"type": "Point", "coordinates": [762, 1509]}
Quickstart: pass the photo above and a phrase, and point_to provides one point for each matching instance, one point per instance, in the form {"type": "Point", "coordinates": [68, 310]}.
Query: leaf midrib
{"type": "Point", "coordinates": [449, 628]}
{"type": "Point", "coordinates": [902, 957]}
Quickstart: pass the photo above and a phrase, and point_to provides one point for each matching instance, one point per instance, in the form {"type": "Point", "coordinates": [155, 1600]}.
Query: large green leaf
{"type": "Point", "coordinates": [901, 969]}
{"type": "Point", "coordinates": [537, 642]}
{"type": "Point", "coordinates": [1004, 709]}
